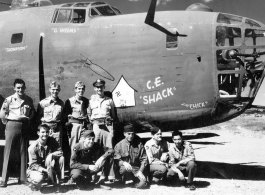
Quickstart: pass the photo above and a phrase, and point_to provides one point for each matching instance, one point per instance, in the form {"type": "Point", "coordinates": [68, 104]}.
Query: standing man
{"type": "Point", "coordinates": [16, 112]}
{"type": "Point", "coordinates": [45, 159]}
{"type": "Point", "coordinates": [75, 111]}
{"type": "Point", "coordinates": [50, 112]}
{"type": "Point", "coordinates": [182, 159]}
{"type": "Point", "coordinates": [101, 113]}
{"type": "Point", "coordinates": [157, 153]}
{"type": "Point", "coordinates": [130, 156]}
{"type": "Point", "coordinates": [87, 159]}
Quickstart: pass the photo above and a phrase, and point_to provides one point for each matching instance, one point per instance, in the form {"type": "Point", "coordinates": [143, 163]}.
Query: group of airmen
{"type": "Point", "coordinates": [94, 158]}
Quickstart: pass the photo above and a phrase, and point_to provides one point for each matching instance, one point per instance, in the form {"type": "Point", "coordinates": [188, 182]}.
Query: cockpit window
{"type": "Point", "coordinates": [118, 12]}
{"type": "Point", "coordinates": [254, 37]}
{"type": "Point", "coordinates": [228, 36]}
{"type": "Point", "coordinates": [64, 16]}
{"type": "Point", "coordinates": [251, 23]}
{"type": "Point", "coordinates": [67, 5]}
{"type": "Point", "coordinates": [69, 16]}
{"type": "Point", "coordinates": [172, 42]}
{"type": "Point", "coordinates": [105, 11]}
{"type": "Point", "coordinates": [78, 16]}
{"type": "Point", "coordinates": [229, 19]}
{"type": "Point", "coordinates": [93, 12]}
{"type": "Point", "coordinates": [81, 4]}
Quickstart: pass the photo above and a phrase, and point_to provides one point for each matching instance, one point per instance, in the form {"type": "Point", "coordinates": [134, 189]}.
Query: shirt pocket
{"type": "Point", "coordinates": [47, 110]}
{"type": "Point", "coordinates": [15, 108]}
{"type": "Point", "coordinates": [57, 111]}
{"type": "Point", "coordinates": [93, 106]}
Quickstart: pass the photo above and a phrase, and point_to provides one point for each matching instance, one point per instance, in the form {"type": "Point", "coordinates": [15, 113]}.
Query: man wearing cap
{"type": "Point", "coordinates": [50, 111]}
{"type": "Point", "coordinates": [16, 113]}
{"type": "Point", "coordinates": [101, 113]}
{"type": "Point", "coordinates": [130, 156]}
{"type": "Point", "coordinates": [87, 159]}
{"type": "Point", "coordinates": [45, 159]}
{"type": "Point", "coordinates": [157, 153]}
{"type": "Point", "coordinates": [75, 111]}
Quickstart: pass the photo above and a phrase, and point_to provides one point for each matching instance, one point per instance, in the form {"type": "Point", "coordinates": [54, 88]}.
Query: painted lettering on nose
{"type": "Point", "coordinates": [158, 96]}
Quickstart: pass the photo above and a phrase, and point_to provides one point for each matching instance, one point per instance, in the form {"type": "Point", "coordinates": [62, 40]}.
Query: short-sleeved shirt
{"type": "Point", "coordinates": [186, 153]}
{"type": "Point", "coordinates": [49, 110]}
{"type": "Point", "coordinates": [76, 108]}
{"type": "Point", "coordinates": [15, 107]}
{"type": "Point", "coordinates": [39, 153]}
{"type": "Point", "coordinates": [82, 157]}
{"type": "Point", "coordinates": [154, 151]}
{"type": "Point", "coordinates": [131, 152]}
{"type": "Point", "coordinates": [101, 107]}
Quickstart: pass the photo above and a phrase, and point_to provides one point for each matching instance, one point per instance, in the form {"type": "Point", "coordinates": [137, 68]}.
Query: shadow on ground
{"type": "Point", "coordinates": [230, 171]}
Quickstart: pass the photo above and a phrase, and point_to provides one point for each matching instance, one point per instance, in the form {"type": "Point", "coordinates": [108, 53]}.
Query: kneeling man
{"type": "Point", "coordinates": [87, 159]}
{"type": "Point", "coordinates": [131, 158]}
{"type": "Point", "coordinates": [157, 153]}
{"type": "Point", "coordinates": [182, 159]}
{"type": "Point", "coordinates": [45, 159]}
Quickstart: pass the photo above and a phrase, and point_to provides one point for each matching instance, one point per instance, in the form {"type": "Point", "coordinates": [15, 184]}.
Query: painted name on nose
{"type": "Point", "coordinates": [159, 96]}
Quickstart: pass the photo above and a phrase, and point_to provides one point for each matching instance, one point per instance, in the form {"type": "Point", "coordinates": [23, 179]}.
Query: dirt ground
{"type": "Point", "coordinates": [230, 158]}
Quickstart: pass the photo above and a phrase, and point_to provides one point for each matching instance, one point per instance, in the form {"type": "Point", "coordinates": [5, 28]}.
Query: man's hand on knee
{"type": "Point", "coordinates": [127, 166]}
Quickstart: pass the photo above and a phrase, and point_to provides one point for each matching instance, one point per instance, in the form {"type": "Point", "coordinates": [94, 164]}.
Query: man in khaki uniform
{"type": "Point", "coordinates": [75, 111]}
{"type": "Point", "coordinates": [50, 112]}
{"type": "Point", "coordinates": [131, 159]}
{"type": "Point", "coordinates": [45, 159]}
{"type": "Point", "coordinates": [182, 159]}
{"type": "Point", "coordinates": [157, 153]}
{"type": "Point", "coordinates": [101, 113]}
{"type": "Point", "coordinates": [16, 112]}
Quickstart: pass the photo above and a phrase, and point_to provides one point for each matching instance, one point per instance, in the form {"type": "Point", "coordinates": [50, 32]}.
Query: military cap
{"type": "Point", "coordinates": [79, 84]}
{"type": "Point", "coordinates": [128, 128]}
{"type": "Point", "coordinates": [54, 84]}
{"type": "Point", "coordinates": [99, 83]}
{"type": "Point", "coordinates": [88, 133]}
{"type": "Point", "coordinates": [154, 130]}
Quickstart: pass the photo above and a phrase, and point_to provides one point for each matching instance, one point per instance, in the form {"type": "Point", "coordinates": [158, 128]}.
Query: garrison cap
{"type": "Point", "coordinates": [88, 133]}
{"type": "Point", "coordinates": [54, 84]}
{"type": "Point", "coordinates": [79, 84]}
{"type": "Point", "coordinates": [99, 83]}
{"type": "Point", "coordinates": [128, 128]}
{"type": "Point", "coordinates": [154, 130]}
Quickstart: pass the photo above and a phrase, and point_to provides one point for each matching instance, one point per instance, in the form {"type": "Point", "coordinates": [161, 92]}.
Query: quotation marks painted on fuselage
{"type": "Point", "coordinates": [65, 30]}
{"type": "Point", "coordinates": [195, 105]}
{"type": "Point", "coordinates": [157, 96]}
{"type": "Point", "coordinates": [15, 49]}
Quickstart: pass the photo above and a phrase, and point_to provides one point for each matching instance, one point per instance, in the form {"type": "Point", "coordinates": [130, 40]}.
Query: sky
{"type": "Point", "coordinates": [249, 8]}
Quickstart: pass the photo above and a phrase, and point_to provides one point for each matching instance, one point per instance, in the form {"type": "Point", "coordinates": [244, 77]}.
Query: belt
{"type": "Point", "coordinates": [74, 120]}
{"type": "Point", "coordinates": [98, 121]}
{"type": "Point", "coordinates": [13, 120]}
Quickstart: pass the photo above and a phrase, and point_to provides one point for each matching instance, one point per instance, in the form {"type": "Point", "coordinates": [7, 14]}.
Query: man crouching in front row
{"type": "Point", "coordinates": [45, 160]}
{"type": "Point", "coordinates": [88, 158]}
